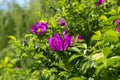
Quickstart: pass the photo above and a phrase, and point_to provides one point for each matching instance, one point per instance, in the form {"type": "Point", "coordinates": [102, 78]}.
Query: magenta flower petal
{"type": "Point", "coordinates": [72, 37]}
{"type": "Point", "coordinates": [79, 37]}
{"type": "Point", "coordinates": [117, 22]}
{"type": "Point", "coordinates": [72, 40]}
{"type": "Point", "coordinates": [65, 32]}
{"type": "Point", "coordinates": [66, 41]}
{"type": "Point", "coordinates": [34, 29]}
{"type": "Point", "coordinates": [58, 42]}
{"type": "Point", "coordinates": [51, 43]}
{"type": "Point", "coordinates": [62, 22]}
{"type": "Point", "coordinates": [55, 43]}
{"type": "Point", "coordinates": [118, 29]}
{"type": "Point", "coordinates": [100, 2]}
{"type": "Point", "coordinates": [39, 28]}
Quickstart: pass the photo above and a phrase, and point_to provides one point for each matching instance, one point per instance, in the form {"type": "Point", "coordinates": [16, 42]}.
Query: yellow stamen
{"type": "Point", "coordinates": [39, 29]}
{"type": "Point", "coordinates": [42, 21]}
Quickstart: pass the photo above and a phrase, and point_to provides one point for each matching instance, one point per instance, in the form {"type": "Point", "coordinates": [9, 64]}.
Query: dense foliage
{"type": "Point", "coordinates": [79, 41]}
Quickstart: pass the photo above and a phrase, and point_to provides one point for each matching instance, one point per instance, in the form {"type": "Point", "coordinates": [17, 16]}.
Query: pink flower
{"type": "Point", "coordinates": [60, 44]}
{"type": "Point", "coordinates": [65, 32]}
{"type": "Point", "coordinates": [117, 22]}
{"type": "Point", "coordinates": [80, 37]}
{"type": "Point", "coordinates": [62, 22]}
{"type": "Point", "coordinates": [100, 2]}
{"type": "Point", "coordinates": [118, 29]}
{"type": "Point", "coordinates": [39, 28]}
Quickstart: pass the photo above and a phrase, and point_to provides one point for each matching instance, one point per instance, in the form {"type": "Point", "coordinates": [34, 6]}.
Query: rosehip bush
{"type": "Point", "coordinates": [80, 42]}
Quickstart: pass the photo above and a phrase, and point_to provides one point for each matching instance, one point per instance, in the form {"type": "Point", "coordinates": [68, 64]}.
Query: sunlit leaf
{"type": "Point", "coordinates": [75, 49]}
{"type": "Point", "coordinates": [28, 35]}
{"type": "Point", "coordinates": [97, 35]}
{"type": "Point", "coordinates": [76, 78]}
{"type": "Point", "coordinates": [113, 61]}
{"type": "Point", "coordinates": [73, 57]}
{"type": "Point", "coordinates": [111, 36]}
{"type": "Point", "coordinates": [104, 18]}
{"type": "Point", "coordinates": [107, 51]}
{"type": "Point", "coordinates": [12, 38]}
{"type": "Point", "coordinates": [63, 74]}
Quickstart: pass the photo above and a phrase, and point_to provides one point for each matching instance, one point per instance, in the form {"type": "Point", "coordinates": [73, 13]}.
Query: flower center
{"type": "Point", "coordinates": [39, 30]}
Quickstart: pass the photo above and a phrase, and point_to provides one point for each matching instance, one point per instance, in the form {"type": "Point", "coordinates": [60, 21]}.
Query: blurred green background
{"type": "Point", "coordinates": [16, 18]}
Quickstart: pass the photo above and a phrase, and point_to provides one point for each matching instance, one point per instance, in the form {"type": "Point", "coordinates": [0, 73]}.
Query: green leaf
{"type": "Point", "coordinates": [97, 35]}
{"type": "Point", "coordinates": [76, 78]}
{"type": "Point", "coordinates": [53, 21]}
{"type": "Point", "coordinates": [97, 72]}
{"type": "Point", "coordinates": [46, 73]}
{"type": "Point", "coordinates": [112, 33]}
{"type": "Point", "coordinates": [118, 9]}
{"type": "Point", "coordinates": [12, 38]}
{"type": "Point", "coordinates": [37, 56]}
{"type": "Point", "coordinates": [75, 49]}
{"type": "Point", "coordinates": [63, 73]}
{"type": "Point", "coordinates": [113, 61]}
{"type": "Point", "coordinates": [104, 18]}
{"type": "Point", "coordinates": [28, 35]}
{"type": "Point", "coordinates": [107, 51]}
{"type": "Point", "coordinates": [111, 36]}
{"type": "Point", "coordinates": [80, 46]}
{"type": "Point", "coordinates": [99, 43]}
{"type": "Point", "coordinates": [99, 61]}
{"type": "Point", "coordinates": [112, 12]}
{"type": "Point", "coordinates": [74, 57]}
{"type": "Point", "coordinates": [113, 17]}
{"type": "Point", "coordinates": [97, 56]}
